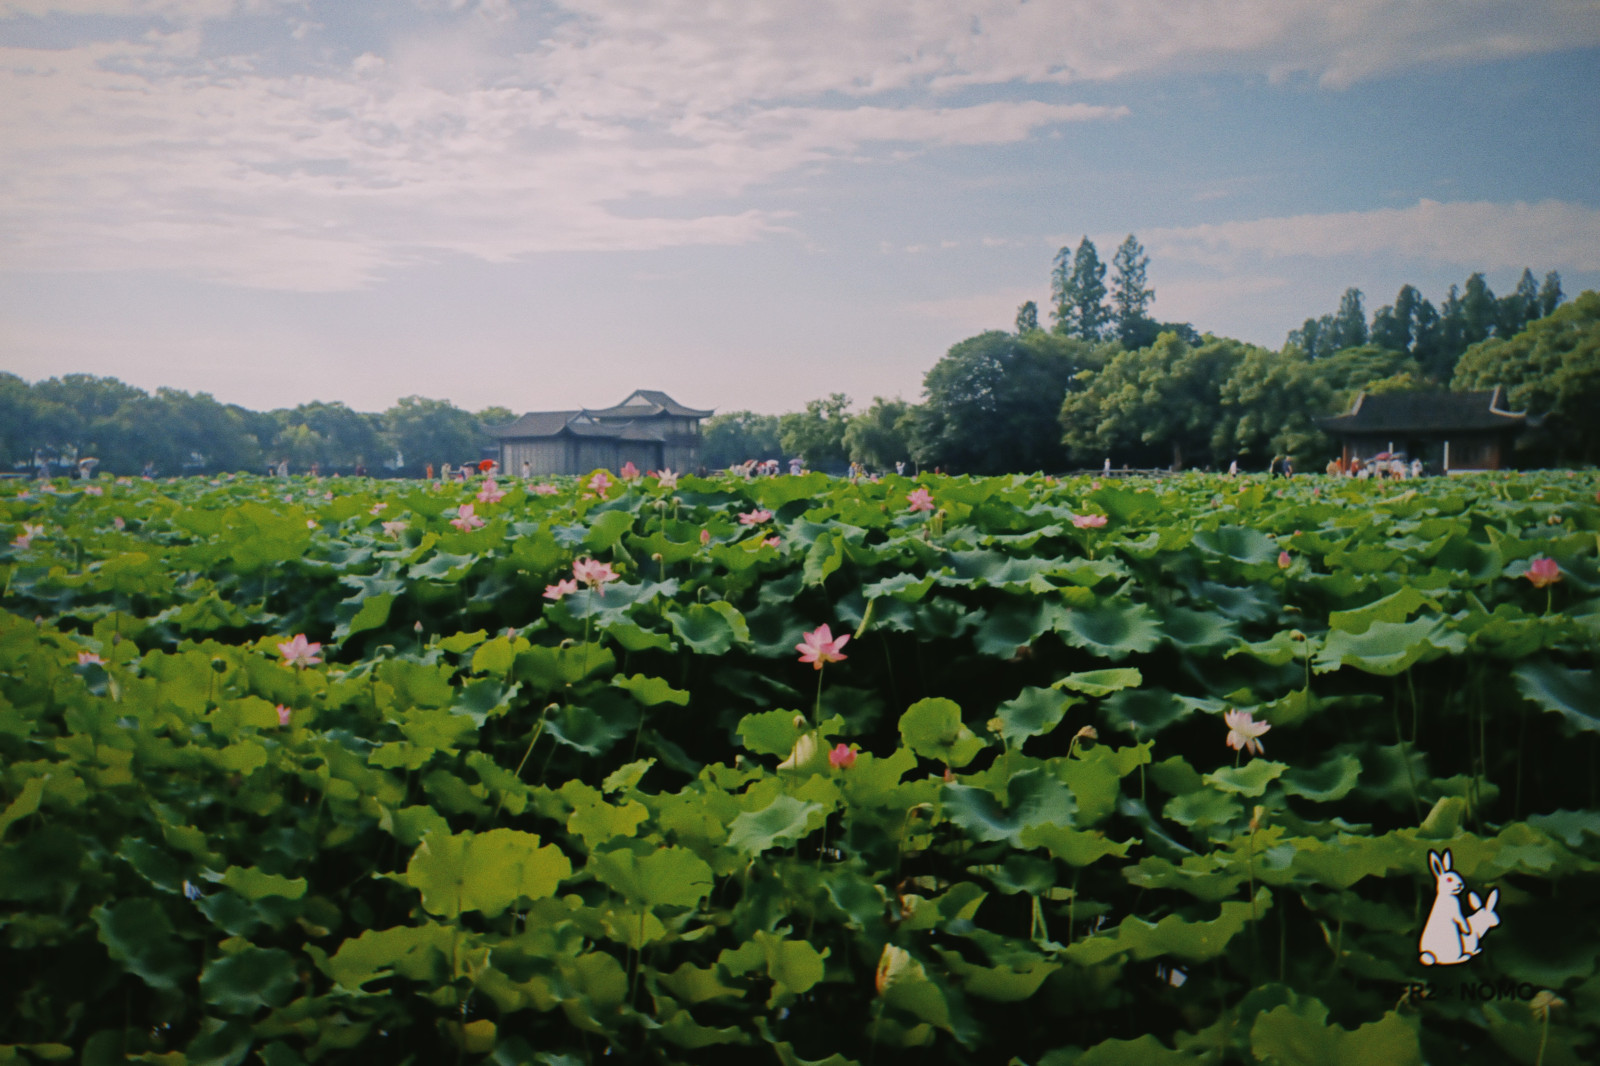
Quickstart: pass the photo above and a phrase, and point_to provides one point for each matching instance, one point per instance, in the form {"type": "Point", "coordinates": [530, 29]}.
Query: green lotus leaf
{"type": "Point", "coordinates": [1573, 694]}
{"type": "Point", "coordinates": [417, 952]}
{"type": "Point", "coordinates": [590, 730]}
{"type": "Point", "coordinates": [660, 877]}
{"type": "Point", "coordinates": [485, 872]}
{"type": "Point", "coordinates": [779, 824]}
{"type": "Point", "coordinates": [770, 732]}
{"type": "Point", "coordinates": [710, 628]}
{"type": "Point", "coordinates": [26, 803]}
{"type": "Point", "coordinates": [1145, 1050]}
{"type": "Point", "coordinates": [651, 691]}
{"type": "Point", "coordinates": [1388, 648]}
{"type": "Point", "coordinates": [253, 978]}
{"type": "Point", "coordinates": [1251, 779]}
{"type": "Point", "coordinates": [1330, 781]}
{"type": "Point", "coordinates": [1298, 1032]}
{"type": "Point", "coordinates": [1395, 607]}
{"type": "Point", "coordinates": [1101, 682]}
{"type": "Point", "coordinates": [932, 728]}
{"type": "Point", "coordinates": [1032, 798]}
{"type": "Point", "coordinates": [1034, 712]}
{"type": "Point", "coordinates": [1112, 630]}
{"type": "Point", "coordinates": [138, 934]}
{"type": "Point", "coordinates": [1197, 630]}
{"type": "Point", "coordinates": [606, 529]}
{"type": "Point", "coordinates": [1144, 712]}
{"type": "Point", "coordinates": [1238, 543]}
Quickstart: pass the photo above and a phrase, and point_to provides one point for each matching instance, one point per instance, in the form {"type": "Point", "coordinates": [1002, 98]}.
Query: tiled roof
{"type": "Point", "coordinates": [656, 402]}
{"type": "Point", "coordinates": [535, 424]}
{"type": "Point", "coordinates": [1438, 411]}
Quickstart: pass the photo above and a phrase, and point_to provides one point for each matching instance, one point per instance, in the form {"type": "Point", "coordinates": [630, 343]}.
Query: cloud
{"type": "Point", "coordinates": [1476, 234]}
{"type": "Point", "coordinates": [501, 131]}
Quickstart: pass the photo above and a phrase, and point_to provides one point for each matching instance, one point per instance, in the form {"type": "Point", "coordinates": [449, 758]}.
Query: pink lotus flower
{"type": "Point", "coordinates": [465, 520]}
{"type": "Point", "coordinates": [311, 523]}
{"type": "Point", "coordinates": [629, 472]}
{"type": "Point", "coordinates": [592, 572]}
{"type": "Point", "coordinates": [920, 500]}
{"type": "Point", "coordinates": [1543, 571]}
{"type": "Point", "coordinates": [394, 528]}
{"type": "Point", "coordinates": [94, 490]}
{"type": "Point", "coordinates": [24, 540]}
{"type": "Point", "coordinates": [561, 588]}
{"type": "Point", "coordinates": [705, 537]}
{"type": "Point", "coordinates": [328, 496]}
{"type": "Point", "coordinates": [755, 518]}
{"type": "Point", "coordinates": [1088, 521]}
{"type": "Point", "coordinates": [283, 715]}
{"type": "Point", "coordinates": [772, 542]}
{"type": "Point", "coordinates": [820, 646]}
{"type": "Point", "coordinates": [288, 497]}
{"type": "Point", "coordinates": [543, 489]}
{"type": "Point", "coordinates": [490, 493]}
{"type": "Point", "coordinates": [600, 483]}
{"type": "Point", "coordinates": [667, 479]}
{"type": "Point", "coordinates": [841, 757]}
{"type": "Point", "coordinates": [377, 508]}
{"type": "Point", "coordinates": [87, 658]}
{"type": "Point", "coordinates": [299, 651]}
{"type": "Point", "coordinates": [116, 520]}
{"type": "Point", "coordinates": [1243, 731]}
{"type": "Point", "coordinates": [1283, 560]}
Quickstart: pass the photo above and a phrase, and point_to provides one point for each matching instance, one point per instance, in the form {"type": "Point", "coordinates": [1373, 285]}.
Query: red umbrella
{"type": "Point", "coordinates": [1384, 455]}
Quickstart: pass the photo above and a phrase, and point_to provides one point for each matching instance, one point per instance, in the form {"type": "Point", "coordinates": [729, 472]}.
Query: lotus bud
{"type": "Point", "coordinates": [657, 557]}
{"type": "Point", "coordinates": [1088, 732]}
{"type": "Point", "coordinates": [219, 664]}
{"type": "Point", "coordinates": [995, 725]}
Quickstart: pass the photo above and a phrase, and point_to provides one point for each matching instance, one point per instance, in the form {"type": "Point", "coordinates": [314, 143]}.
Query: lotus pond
{"type": "Point", "coordinates": [299, 771]}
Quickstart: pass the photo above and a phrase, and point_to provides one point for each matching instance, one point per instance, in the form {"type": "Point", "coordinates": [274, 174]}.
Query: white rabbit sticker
{"type": "Point", "coordinates": [1450, 937]}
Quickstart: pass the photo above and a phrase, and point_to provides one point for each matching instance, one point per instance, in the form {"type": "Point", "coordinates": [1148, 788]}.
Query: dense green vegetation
{"type": "Point", "coordinates": [1106, 381]}
{"type": "Point", "coordinates": [338, 771]}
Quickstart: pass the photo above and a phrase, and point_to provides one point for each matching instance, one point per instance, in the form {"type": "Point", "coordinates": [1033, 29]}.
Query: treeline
{"type": "Point", "coordinates": [79, 415]}
{"type": "Point", "coordinates": [1109, 381]}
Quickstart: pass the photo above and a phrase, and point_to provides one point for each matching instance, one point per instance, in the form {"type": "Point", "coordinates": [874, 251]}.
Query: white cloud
{"type": "Point", "coordinates": [1478, 235]}
{"type": "Point", "coordinates": [499, 132]}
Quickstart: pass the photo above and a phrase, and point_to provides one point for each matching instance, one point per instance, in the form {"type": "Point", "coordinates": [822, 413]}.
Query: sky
{"type": "Point", "coordinates": [747, 203]}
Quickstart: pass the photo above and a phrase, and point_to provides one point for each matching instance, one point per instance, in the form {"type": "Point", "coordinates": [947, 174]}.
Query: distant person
{"type": "Point", "coordinates": [1106, 469]}
{"type": "Point", "coordinates": [527, 470]}
{"type": "Point", "coordinates": [429, 468]}
{"type": "Point", "coordinates": [149, 470]}
{"type": "Point", "coordinates": [1233, 468]}
{"type": "Point", "coordinates": [445, 471]}
{"type": "Point", "coordinates": [900, 467]}
{"type": "Point", "coordinates": [1416, 468]}
{"type": "Point", "coordinates": [283, 467]}
{"type": "Point", "coordinates": [1275, 468]}
{"type": "Point", "coordinates": [797, 464]}
{"type": "Point", "coordinates": [361, 468]}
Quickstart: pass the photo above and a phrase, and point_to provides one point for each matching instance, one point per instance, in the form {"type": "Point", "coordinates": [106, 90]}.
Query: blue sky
{"type": "Point", "coordinates": [747, 204]}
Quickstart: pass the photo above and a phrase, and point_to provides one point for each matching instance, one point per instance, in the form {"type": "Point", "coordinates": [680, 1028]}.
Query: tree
{"type": "Point", "coordinates": [1353, 370]}
{"type": "Point", "coordinates": [1155, 401]}
{"type": "Point", "coordinates": [1350, 321]}
{"type": "Point", "coordinates": [1089, 313]}
{"type": "Point", "coordinates": [1027, 318]}
{"type": "Point", "coordinates": [1550, 294]}
{"type": "Point", "coordinates": [1552, 368]}
{"type": "Point", "coordinates": [990, 404]}
{"type": "Point", "coordinates": [1479, 310]}
{"type": "Point", "coordinates": [1131, 295]}
{"type": "Point", "coordinates": [1063, 294]}
{"type": "Point", "coordinates": [817, 433]}
{"type": "Point", "coordinates": [880, 436]}
{"type": "Point", "coordinates": [1518, 307]}
{"type": "Point", "coordinates": [343, 435]}
{"type": "Point", "coordinates": [1268, 406]}
{"type": "Point", "coordinates": [431, 431]}
{"type": "Point", "coordinates": [735, 436]}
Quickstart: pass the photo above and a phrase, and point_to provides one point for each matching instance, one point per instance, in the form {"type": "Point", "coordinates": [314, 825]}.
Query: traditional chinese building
{"type": "Point", "coordinates": [649, 429]}
{"type": "Point", "coordinates": [1449, 431]}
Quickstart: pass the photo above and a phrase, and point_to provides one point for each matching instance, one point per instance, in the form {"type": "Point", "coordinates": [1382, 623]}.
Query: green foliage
{"type": "Point", "coordinates": [495, 826]}
{"type": "Point", "coordinates": [1553, 369]}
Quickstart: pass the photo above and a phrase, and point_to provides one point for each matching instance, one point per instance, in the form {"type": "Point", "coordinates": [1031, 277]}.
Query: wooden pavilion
{"type": "Point", "coordinates": [648, 428]}
{"type": "Point", "coordinates": [1449, 431]}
